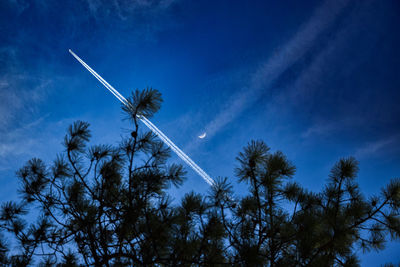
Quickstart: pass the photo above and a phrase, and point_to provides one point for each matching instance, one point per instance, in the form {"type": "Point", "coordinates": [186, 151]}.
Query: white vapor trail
{"type": "Point", "coordinates": [149, 124]}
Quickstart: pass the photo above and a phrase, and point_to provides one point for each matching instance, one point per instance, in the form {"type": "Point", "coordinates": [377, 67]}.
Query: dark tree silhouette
{"type": "Point", "coordinates": [109, 206]}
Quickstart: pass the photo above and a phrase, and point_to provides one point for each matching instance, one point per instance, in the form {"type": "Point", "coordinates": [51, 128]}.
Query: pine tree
{"type": "Point", "coordinates": [109, 206]}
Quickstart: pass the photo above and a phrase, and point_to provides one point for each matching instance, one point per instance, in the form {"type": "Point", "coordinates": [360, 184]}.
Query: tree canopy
{"type": "Point", "coordinates": [106, 205]}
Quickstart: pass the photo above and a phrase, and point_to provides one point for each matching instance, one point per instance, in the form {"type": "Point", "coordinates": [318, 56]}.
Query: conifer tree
{"type": "Point", "coordinates": [105, 205]}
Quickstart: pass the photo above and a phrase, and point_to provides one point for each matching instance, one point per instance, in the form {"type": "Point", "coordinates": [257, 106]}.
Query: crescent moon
{"type": "Point", "coordinates": [202, 136]}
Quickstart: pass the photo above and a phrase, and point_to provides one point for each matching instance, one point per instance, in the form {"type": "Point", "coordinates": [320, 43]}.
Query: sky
{"type": "Point", "coordinates": [317, 80]}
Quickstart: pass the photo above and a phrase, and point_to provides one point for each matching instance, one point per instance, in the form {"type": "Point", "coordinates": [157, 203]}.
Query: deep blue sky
{"type": "Point", "coordinates": [318, 80]}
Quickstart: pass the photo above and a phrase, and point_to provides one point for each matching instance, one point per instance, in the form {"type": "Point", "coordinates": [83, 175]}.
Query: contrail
{"type": "Point", "coordinates": [149, 124]}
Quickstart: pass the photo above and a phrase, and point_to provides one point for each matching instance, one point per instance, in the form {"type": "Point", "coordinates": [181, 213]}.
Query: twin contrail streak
{"type": "Point", "coordinates": [149, 124]}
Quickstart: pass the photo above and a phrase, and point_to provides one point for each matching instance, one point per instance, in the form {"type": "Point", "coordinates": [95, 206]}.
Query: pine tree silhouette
{"type": "Point", "coordinates": [108, 206]}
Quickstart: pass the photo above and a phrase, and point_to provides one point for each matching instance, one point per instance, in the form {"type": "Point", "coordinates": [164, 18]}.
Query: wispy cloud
{"type": "Point", "coordinates": [19, 5]}
{"type": "Point", "coordinates": [20, 91]}
{"type": "Point", "coordinates": [140, 18]}
{"type": "Point", "coordinates": [276, 65]}
{"type": "Point", "coordinates": [310, 83]}
{"type": "Point", "coordinates": [126, 9]}
{"type": "Point", "coordinates": [326, 128]}
{"type": "Point", "coordinates": [378, 146]}
{"type": "Point", "coordinates": [310, 87]}
{"type": "Point", "coordinates": [17, 99]}
{"type": "Point", "coordinates": [321, 128]}
{"type": "Point", "coordinates": [18, 133]}
{"type": "Point", "coordinates": [18, 141]}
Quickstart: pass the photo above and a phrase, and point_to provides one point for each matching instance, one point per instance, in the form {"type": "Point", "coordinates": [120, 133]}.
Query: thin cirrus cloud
{"type": "Point", "coordinates": [307, 87]}
{"type": "Point", "coordinates": [303, 89]}
{"type": "Point", "coordinates": [126, 9]}
{"type": "Point", "coordinates": [378, 146]}
{"type": "Point", "coordinates": [18, 127]}
{"type": "Point", "coordinates": [21, 92]}
{"type": "Point", "coordinates": [18, 141]}
{"type": "Point", "coordinates": [270, 71]}
{"type": "Point", "coordinates": [19, 89]}
{"type": "Point", "coordinates": [15, 103]}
